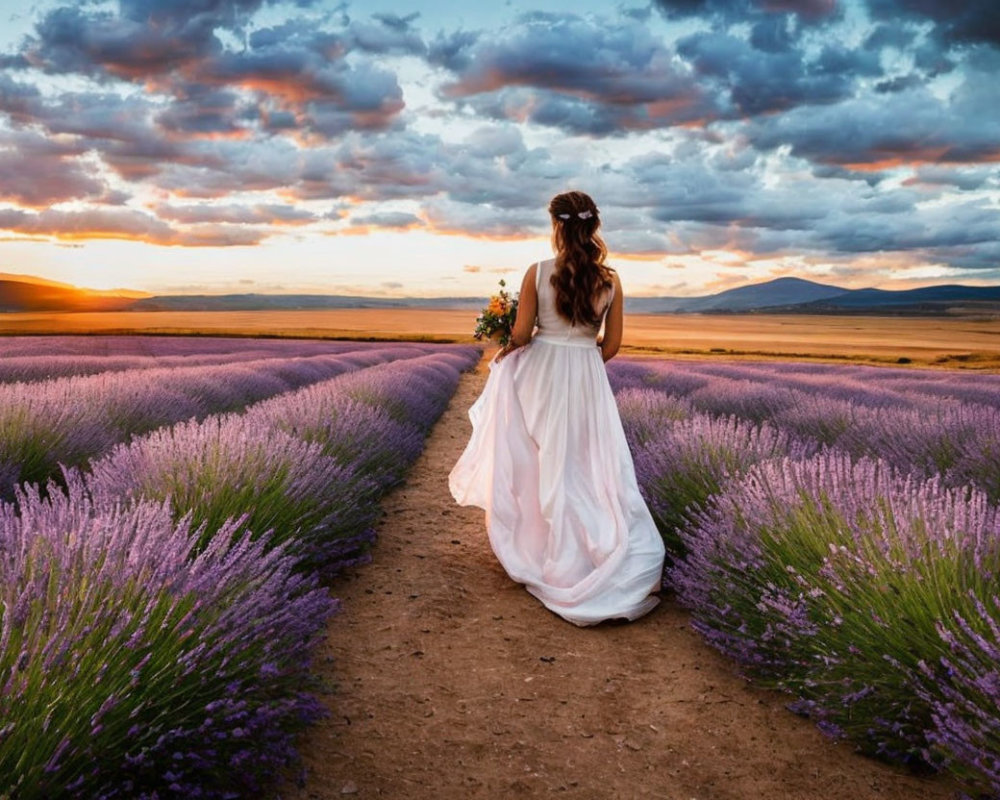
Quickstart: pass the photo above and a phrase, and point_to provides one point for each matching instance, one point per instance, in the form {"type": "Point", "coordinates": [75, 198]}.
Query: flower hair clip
{"type": "Point", "coordinates": [582, 215]}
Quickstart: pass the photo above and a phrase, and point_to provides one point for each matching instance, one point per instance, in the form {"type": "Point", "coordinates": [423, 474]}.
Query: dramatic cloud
{"type": "Point", "coordinates": [258, 214]}
{"type": "Point", "coordinates": [533, 72]}
{"type": "Point", "coordinates": [958, 21]}
{"type": "Point", "coordinates": [910, 127]}
{"type": "Point", "coordinates": [294, 72]}
{"type": "Point", "coordinates": [810, 10]}
{"type": "Point", "coordinates": [760, 135]}
{"type": "Point", "coordinates": [130, 225]}
{"type": "Point", "coordinates": [387, 219]}
{"type": "Point", "coordinates": [772, 76]}
{"type": "Point", "coordinates": [38, 172]}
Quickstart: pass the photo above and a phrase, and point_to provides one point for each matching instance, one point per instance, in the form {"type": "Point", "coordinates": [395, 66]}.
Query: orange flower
{"type": "Point", "coordinates": [497, 306]}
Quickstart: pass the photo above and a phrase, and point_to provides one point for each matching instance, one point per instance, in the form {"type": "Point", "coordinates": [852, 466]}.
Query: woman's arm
{"type": "Point", "coordinates": [613, 322]}
{"type": "Point", "coordinates": [527, 310]}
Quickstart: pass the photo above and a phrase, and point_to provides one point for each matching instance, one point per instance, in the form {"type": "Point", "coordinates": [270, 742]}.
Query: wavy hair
{"type": "Point", "coordinates": [581, 276]}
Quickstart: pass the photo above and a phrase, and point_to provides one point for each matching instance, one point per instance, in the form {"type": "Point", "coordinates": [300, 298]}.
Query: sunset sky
{"type": "Point", "coordinates": [405, 147]}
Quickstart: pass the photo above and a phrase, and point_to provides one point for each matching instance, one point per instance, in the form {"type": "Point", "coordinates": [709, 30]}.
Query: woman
{"type": "Point", "coordinates": [548, 460]}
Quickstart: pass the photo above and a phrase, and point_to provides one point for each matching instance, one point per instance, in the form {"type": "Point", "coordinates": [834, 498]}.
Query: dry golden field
{"type": "Point", "coordinates": [942, 341]}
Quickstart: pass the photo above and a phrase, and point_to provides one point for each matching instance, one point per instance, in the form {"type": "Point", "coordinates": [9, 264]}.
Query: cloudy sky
{"type": "Point", "coordinates": [407, 147]}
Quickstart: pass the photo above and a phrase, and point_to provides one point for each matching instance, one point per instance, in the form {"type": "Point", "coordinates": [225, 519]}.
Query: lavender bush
{"type": "Point", "coordinates": [647, 414]}
{"type": "Point", "coordinates": [35, 359]}
{"type": "Point", "coordinates": [70, 420]}
{"type": "Point", "coordinates": [306, 467]}
{"type": "Point", "coordinates": [829, 577]}
{"type": "Point", "coordinates": [745, 399]}
{"type": "Point", "coordinates": [956, 441]}
{"type": "Point", "coordinates": [227, 466]}
{"type": "Point", "coordinates": [861, 577]}
{"type": "Point", "coordinates": [157, 613]}
{"type": "Point", "coordinates": [159, 346]}
{"type": "Point", "coordinates": [962, 691]}
{"type": "Point", "coordinates": [676, 378]}
{"type": "Point", "coordinates": [917, 420]}
{"type": "Point", "coordinates": [689, 460]}
{"type": "Point", "coordinates": [129, 669]}
{"type": "Point", "coordinates": [416, 392]}
{"type": "Point", "coordinates": [625, 373]}
{"type": "Point", "coordinates": [39, 368]}
{"type": "Point", "coordinates": [351, 432]}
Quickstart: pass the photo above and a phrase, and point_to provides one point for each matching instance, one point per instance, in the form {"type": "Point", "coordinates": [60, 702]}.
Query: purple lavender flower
{"type": "Point", "coordinates": [812, 573]}
{"type": "Point", "coordinates": [647, 414]}
{"type": "Point", "coordinates": [229, 466]}
{"type": "Point", "coordinates": [962, 689]}
{"type": "Point", "coordinates": [70, 420]}
{"type": "Point", "coordinates": [687, 463]}
{"type": "Point", "coordinates": [117, 649]}
{"type": "Point", "coordinates": [861, 578]}
{"type": "Point", "coordinates": [305, 466]}
{"type": "Point", "coordinates": [143, 655]}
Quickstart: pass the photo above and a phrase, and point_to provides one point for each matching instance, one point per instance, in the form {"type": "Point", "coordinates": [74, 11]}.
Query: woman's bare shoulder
{"type": "Point", "coordinates": [616, 284]}
{"type": "Point", "coordinates": [529, 279]}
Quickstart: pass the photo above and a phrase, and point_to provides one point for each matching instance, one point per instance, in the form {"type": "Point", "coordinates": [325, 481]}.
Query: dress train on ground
{"type": "Point", "coordinates": [549, 463]}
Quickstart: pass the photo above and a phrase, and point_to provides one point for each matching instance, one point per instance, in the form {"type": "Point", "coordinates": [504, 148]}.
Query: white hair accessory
{"type": "Point", "coordinates": [582, 215]}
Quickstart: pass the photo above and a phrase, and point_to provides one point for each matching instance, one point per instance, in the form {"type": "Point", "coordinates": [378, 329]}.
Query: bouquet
{"type": "Point", "coordinates": [497, 320]}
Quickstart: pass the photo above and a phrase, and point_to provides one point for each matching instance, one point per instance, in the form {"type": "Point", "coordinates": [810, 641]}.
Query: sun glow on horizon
{"type": "Point", "coordinates": [417, 264]}
{"type": "Point", "coordinates": [411, 151]}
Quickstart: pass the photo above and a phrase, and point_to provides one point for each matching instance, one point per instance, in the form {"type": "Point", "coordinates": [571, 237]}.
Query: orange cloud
{"type": "Point", "coordinates": [127, 225]}
{"type": "Point", "coordinates": [365, 230]}
{"type": "Point", "coordinates": [650, 255]}
{"type": "Point", "coordinates": [921, 157]}
{"type": "Point", "coordinates": [722, 281]}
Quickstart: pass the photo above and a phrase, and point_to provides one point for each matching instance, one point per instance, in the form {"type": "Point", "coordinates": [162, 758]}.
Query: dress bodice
{"type": "Point", "coordinates": [551, 324]}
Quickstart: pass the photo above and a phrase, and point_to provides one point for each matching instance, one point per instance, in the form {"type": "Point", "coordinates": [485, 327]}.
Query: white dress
{"type": "Point", "coordinates": [549, 464]}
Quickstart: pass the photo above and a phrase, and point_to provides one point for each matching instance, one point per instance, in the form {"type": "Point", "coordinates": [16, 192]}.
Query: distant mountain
{"type": "Point", "coordinates": [927, 298]}
{"type": "Point", "coordinates": [28, 293]}
{"type": "Point", "coordinates": [779, 292]}
{"type": "Point", "coordinates": [798, 296]}
{"type": "Point", "coordinates": [782, 295]}
{"type": "Point", "coordinates": [23, 295]}
{"type": "Point", "coordinates": [34, 280]}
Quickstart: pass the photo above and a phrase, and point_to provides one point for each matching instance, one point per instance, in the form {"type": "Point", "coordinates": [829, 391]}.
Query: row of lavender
{"type": "Point", "coordinates": [159, 346]}
{"type": "Point", "coordinates": [157, 613]}
{"type": "Point", "coordinates": [836, 531]}
{"type": "Point", "coordinates": [69, 420]}
{"type": "Point", "coordinates": [33, 358]}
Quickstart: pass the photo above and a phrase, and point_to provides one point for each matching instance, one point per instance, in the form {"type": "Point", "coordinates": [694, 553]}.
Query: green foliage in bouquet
{"type": "Point", "coordinates": [497, 319]}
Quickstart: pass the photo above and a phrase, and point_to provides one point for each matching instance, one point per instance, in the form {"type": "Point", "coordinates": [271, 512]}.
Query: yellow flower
{"type": "Point", "coordinates": [497, 306]}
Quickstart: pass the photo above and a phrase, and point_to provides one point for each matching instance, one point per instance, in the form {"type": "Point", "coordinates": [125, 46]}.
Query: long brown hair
{"type": "Point", "coordinates": [580, 276]}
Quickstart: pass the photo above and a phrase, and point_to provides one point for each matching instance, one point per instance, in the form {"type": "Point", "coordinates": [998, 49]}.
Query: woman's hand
{"type": "Point", "coordinates": [527, 310]}
{"type": "Point", "coordinates": [506, 350]}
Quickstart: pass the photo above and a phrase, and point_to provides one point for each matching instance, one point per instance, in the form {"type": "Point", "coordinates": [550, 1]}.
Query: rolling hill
{"type": "Point", "coordinates": [779, 292]}
{"type": "Point", "coordinates": [782, 295]}
{"type": "Point", "coordinates": [799, 296]}
{"type": "Point", "coordinates": [28, 293]}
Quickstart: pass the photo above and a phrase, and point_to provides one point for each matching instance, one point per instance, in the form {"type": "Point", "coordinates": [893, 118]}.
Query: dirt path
{"type": "Point", "coordinates": [453, 682]}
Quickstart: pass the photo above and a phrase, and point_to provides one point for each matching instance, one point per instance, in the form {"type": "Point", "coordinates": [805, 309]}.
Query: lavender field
{"type": "Point", "coordinates": [835, 530]}
{"type": "Point", "coordinates": [172, 507]}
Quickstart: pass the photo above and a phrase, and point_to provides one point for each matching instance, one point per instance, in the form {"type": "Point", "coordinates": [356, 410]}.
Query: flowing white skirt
{"type": "Point", "coordinates": [549, 464]}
